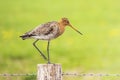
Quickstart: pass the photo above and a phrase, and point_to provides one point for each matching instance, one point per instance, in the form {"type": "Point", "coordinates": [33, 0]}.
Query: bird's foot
{"type": "Point", "coordinates": [49, 62]}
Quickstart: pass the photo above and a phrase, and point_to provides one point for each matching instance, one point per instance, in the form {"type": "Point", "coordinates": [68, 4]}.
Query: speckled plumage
{"type": "Point", "coordinates": [45, 31]}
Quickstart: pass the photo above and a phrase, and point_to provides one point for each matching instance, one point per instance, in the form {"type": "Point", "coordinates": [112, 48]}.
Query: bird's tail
{"type": "Point", "coordinates": [25, 36]}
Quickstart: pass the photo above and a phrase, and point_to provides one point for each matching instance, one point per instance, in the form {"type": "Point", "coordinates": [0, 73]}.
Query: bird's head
{"type": "Point", "coordinates": [65, 22]}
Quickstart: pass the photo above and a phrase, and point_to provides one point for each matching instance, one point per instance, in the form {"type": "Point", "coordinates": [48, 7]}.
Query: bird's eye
{"type": "Point", "coordinates": [67, 21]}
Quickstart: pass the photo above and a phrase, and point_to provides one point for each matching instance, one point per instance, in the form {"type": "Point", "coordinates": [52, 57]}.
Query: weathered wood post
{"type": "Point", "coordinates": [49, 72]}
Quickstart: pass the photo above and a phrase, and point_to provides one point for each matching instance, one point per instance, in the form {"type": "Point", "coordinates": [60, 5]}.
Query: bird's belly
{"type": "Point", "coordinates": [44, 37]}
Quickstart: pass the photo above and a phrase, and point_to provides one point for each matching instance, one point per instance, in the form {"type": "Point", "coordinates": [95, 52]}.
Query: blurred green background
{"type": "Point", "coordinates": [95, 51]}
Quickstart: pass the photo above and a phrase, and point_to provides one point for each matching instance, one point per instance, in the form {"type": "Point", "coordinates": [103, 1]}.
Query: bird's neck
{"type": "Point", "coordinates": [61, 27]}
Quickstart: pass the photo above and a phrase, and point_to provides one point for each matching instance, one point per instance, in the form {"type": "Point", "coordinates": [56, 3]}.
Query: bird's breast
{"type": "Point", "coordinates": [61, 30]}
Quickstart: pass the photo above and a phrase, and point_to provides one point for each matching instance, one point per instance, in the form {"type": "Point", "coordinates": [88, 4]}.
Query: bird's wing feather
{"type": "Point", "coordinates": [44, 29]}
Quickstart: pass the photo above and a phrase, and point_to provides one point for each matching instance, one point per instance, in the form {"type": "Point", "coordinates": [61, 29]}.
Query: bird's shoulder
{"type": "Point", "coordinates": [49, 27]}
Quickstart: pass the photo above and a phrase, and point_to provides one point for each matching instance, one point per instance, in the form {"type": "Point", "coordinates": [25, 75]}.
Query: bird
{"type": "Point", "coordinates": [48, 31]}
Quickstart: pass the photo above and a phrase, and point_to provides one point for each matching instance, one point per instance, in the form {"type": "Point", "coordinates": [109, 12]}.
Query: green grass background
{"type": "Point", "coordinates": [97, 50]}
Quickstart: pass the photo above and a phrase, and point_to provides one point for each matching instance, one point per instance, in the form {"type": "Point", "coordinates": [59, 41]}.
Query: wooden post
{"type": "Point", "coordinates": [49, 72]}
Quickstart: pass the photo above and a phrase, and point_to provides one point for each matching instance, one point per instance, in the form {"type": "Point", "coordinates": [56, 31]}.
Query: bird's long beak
{"type": "Point", "coordinates": [75, 29]}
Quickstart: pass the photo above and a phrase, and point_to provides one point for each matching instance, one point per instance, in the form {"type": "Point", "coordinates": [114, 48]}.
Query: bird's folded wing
{"type": "Point", "coordinates": [44, 29]}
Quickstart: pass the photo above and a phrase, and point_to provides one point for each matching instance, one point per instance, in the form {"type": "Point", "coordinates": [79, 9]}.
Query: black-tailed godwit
{"type": "Point", "coordinates": [48, 31]}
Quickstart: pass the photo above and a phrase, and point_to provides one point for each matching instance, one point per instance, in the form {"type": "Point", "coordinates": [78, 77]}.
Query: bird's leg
{"type": "Point", "coordinates": [48, 51]}
{"type": "Point", "coordinates": [39, 50]}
